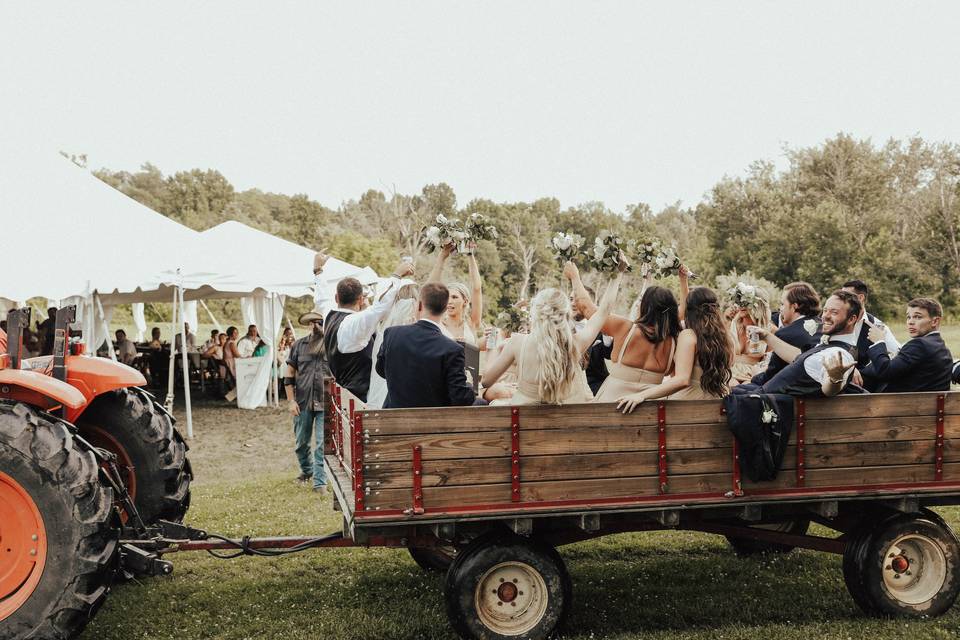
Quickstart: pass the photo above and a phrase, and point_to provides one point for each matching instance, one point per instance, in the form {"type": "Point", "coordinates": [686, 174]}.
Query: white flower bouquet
{"type": "Point", "coordinates": [605, 254]}
{"type": "Point", "coordinates": [566, 246]}
{"type": "Point", "coordinates": [478, 228]}
{"type": "Point", "coordinates": [645, 250]}
{"type": "Point", "coordinates": [667, 262]}
{"type": "Point", "coordinates": [445, 232]}
{"type": "Point", "coordinates": [743, 296]}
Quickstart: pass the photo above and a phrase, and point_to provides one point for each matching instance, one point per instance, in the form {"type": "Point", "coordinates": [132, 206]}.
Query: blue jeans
{"type": "Point", "coordinates": [305, 426]}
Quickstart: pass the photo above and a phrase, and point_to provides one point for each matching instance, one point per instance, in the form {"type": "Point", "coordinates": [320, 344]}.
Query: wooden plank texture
{"type": "Point", "coordinates": [439, 498]}
{"type": "Point", "coordinates": [473, 419]}
{"type": "Point", "coordinates": [611, 439]}
{"type": "Point", "coordinates": [393, 475]}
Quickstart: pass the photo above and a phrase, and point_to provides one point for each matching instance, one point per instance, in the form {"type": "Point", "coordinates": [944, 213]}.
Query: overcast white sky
{"type": "Point", "coordinates": [622, 102]}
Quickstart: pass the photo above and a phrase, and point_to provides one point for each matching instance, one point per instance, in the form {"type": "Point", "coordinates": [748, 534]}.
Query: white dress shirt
{"type": "Point", "coordinates": [815, 364]}
{"type": "Point", "coordinates": [357, 328]}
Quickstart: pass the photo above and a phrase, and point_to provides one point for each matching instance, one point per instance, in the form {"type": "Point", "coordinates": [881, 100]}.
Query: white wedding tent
{"type": "Point", "coordinates": [70, 237]}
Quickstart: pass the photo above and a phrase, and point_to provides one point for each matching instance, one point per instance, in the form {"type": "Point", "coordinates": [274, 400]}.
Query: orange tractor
{"type": "Point", "coordinates": [85, 456]}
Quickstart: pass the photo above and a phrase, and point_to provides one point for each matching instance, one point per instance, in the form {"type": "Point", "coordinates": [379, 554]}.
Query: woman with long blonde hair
{"type": "Point", "coordinates": [548, 359]}
{"type": "Point", "coordinates": [746, 364]}
{"type": "Point", "coordinates": [465, 306]}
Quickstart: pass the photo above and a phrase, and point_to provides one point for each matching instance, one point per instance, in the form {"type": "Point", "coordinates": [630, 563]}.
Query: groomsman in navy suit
{"type": "Point", "coordinates": [924, 363]}
{"type": "Point", "coordinates": [422, 366]}
{"type": "Point", "coordinates": [799, 324]}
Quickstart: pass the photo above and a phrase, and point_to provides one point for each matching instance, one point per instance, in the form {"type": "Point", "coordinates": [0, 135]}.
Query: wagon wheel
{"type": "Point", "coordinates": [744, 547]}
{"type": "Point", "coordinates": [504, 586]}
{"type": "Point", "coordinates": [908, 567]}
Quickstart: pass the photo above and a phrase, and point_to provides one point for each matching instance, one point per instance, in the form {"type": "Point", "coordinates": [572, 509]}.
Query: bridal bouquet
{"type": "Point", "coordinates": [667, 262]}
{"type": "Point", "coordinates": [605, 255]}
{"type": "Point", "coordinates": [479, 228]}
{"type": "Point", "coordinates": [566, 246]}
{"type": "Point", "coordinates": [646, 251]}
{"type": "Point", "coordinates": [743, 296]}
{"type": "Point", "coordinates": [445, 232]}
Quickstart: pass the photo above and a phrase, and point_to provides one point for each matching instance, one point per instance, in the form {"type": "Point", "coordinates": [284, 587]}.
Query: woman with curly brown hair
{"type": "Point", "coordinates": [703, 359]}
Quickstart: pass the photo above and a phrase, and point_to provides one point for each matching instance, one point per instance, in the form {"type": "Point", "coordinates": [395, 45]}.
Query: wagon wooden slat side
{"type": "Point", "coordinates": [593, 457]}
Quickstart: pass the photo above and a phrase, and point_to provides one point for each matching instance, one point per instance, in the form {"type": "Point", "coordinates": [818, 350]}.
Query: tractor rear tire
{"type": "Point", "coordinates": [131, 424]}
{"type": "Point", "coordinates": [58, 529]}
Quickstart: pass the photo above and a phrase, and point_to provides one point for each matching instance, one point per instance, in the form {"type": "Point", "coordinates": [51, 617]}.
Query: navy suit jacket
{"type": "Point", "coordinates": [794, 334]}
{"type": "Point", "coordinates": [423, 368]}
{"type": "Point", "coordinates": [923, 364]}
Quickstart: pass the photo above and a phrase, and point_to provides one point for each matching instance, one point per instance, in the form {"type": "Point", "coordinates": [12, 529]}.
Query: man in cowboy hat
{"type": "Point", "coordinates": [306, 369]}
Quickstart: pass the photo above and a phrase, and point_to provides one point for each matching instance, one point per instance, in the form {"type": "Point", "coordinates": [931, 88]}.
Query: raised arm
{"type": "Point", "coordinates": [586, 337]}
{"type": "Point", "coordinates": [476, 284]}
{"type": "Point", "coordinates": [580, 295]}
{"type": "Point", "coordinates": [436, 274]}
{"type": "Point", "coordinates": [684, 291]}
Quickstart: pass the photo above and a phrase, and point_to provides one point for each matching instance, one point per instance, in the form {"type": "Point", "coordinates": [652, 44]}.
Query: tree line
{"type": "Point", "coordinates": [846, 208]}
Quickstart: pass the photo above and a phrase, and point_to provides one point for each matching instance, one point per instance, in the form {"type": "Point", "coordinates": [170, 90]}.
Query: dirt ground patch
{"type": "Point", "coordinates": [232, 444]}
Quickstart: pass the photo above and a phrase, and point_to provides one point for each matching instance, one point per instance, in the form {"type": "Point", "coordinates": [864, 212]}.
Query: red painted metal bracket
{"type": "Point", "coordinates": [662, 445]}
{"type": "Point", "coordinates": [357, 455]}
{"type": "Point", "coordinates": [938, 447]}
{"type": "Point", "coordinates": [801, 441]}
{"type": "Point", "coordinates": [417, 481]}
{"type": "Point", "coordinates": [515, 455]}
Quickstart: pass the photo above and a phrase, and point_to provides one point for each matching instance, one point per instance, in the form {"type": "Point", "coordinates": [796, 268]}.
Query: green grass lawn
{"type": "Point", "coordinates": [662, 585]}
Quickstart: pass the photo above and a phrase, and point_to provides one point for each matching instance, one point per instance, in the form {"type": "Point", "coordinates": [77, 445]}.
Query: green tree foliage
{"type": "Point", "coordinates": [844, 209]}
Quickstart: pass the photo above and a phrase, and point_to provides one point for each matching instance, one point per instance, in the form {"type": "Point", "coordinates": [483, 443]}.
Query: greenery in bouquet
{"type": "Point", "coordinates": [566, 246]}
{"type": "Point", "coordinates": [605, 253]}
{"type": "Point", "coordinates": [743, 296]}
{"type": "Point", "coordinates": [444, 232]}
{"type": "Point", "coordinates": [645, 251]}
{"type": "Point", "coordinates": [478, 227]}
{"type": "Point", "coordinates": [514, 319]}
{"type": "Point", "coordinates": [667, 262]}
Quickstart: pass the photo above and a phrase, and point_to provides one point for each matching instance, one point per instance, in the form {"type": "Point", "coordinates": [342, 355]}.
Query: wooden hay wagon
{"type": "Point", "coordinates": [488, 493]}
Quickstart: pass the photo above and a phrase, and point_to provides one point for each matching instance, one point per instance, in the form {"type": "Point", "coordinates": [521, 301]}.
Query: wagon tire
{"type": "Point", "coordinates": [745, 547]}
{"type": "Point", "coordinates": [59, 530]}
{"type": "Point", "coordinates": [152, 455]}
{"type": "Point", "coordinates": [854, 557]}
{"type": "Point", "coordinates": [911, 567]}
{"type": "Point", "coordinates": [502, 587]}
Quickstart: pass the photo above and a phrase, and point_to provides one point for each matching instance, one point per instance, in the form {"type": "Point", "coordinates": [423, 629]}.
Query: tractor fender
{"type": "Point", "coordinates": [95, 376]}
{"type": "Point", "coordinates": [38, 390]}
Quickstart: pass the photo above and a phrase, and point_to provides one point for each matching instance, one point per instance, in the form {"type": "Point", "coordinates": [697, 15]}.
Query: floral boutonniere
{"type": "Point", "coordinates": [810, 326]}
{"type": "Point", "coordinates": [824, 339]}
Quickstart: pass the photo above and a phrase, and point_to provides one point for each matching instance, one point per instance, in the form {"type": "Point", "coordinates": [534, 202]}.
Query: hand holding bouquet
{"type": "Point", "coordinates": [445, 232]}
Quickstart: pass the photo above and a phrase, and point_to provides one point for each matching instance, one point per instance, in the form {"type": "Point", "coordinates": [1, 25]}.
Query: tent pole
{"type": "Point", "coordinates": [186, 369]}
{"type": "Point", "coordinates": [170, 368]}
{"type": "Point", "coordinates": [274, 392]}
{"type": "Point", "coordinates": [106, 327]}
